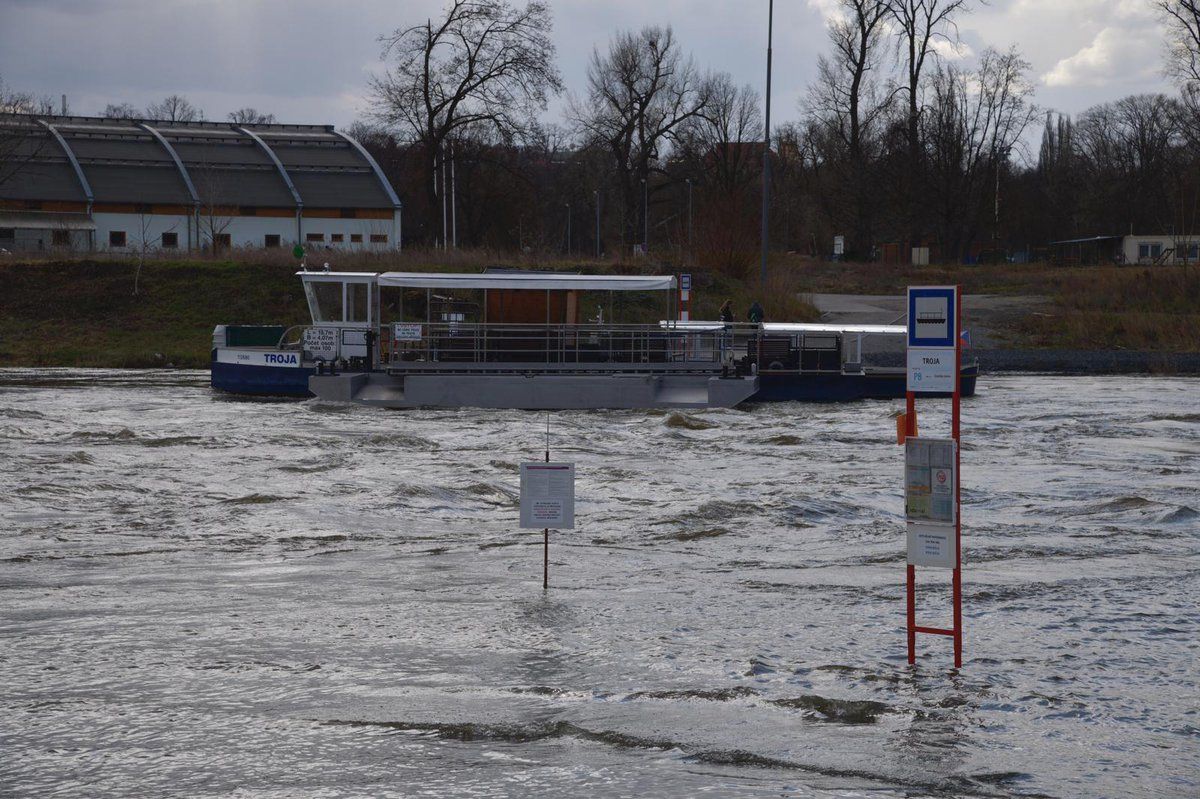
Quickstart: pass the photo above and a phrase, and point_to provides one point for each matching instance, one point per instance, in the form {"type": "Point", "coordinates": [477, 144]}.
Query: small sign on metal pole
{"type": "Point", "coordinates": [932, 485]}
{"type": "Point", "coordinates": [547, 500]}
{"type": "Point", "coordinates": [548, 495]}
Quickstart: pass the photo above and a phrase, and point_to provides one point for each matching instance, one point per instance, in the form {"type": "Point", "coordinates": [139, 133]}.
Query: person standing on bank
{"type": "Point", "coordinates": [727, 312]}
{"type": "Point", "coordinates": [755, 314]}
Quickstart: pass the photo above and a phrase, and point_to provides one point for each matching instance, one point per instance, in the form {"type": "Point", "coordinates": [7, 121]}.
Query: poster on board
{"type": "Point", "coordinates": [548, 495]}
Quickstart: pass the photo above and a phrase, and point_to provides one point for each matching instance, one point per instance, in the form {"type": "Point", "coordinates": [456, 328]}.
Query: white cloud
{"type": "Point", "coordinates": [952, 50]}
{"type": "Point", "coordinates": [828, 9]}
{"type": "Point", "coordinates": [1114, 56]}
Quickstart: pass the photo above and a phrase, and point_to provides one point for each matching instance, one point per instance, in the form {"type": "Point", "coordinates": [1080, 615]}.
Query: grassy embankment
{"type": "Point", "coordinates": [1090, 308]}
{"type": "Point", "coordinates": [83, 312]}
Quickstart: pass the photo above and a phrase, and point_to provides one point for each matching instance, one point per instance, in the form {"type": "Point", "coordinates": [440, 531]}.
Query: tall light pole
{"type": "Point", "coordinates": [568, 228]}
{"type": "Point", "coordinates": [689, 184]}
{"type": "Point", "coordinates": [645, 218]}
{"type": "Point", "coordinates": [596, 197]}
{"type": "Point", "coordinates": [766, 168]}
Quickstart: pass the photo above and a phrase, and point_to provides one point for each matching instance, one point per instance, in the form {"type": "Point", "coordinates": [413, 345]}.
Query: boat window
{"type": "Point", "coordinates": [356, 302]}
{"type": "Point", "coordinates": [324, 300]}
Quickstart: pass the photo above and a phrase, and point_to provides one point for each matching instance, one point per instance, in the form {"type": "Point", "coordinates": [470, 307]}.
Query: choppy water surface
{"type": "Point", "coordinates": [204, 596]}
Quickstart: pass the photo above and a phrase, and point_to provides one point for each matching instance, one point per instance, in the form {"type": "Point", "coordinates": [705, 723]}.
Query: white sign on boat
{"type": "Point", "coordinates": [548, 495]}
{"type": "Point", "coordinates": [406, 331]}
{"type": "Point", "coordinates": [321, 342]}
{"type": "Point", "coordinates": [284, 358]}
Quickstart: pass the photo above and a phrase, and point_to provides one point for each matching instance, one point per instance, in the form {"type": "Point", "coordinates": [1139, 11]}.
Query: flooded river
{"type": "Point", "coordinates": [201, 596]}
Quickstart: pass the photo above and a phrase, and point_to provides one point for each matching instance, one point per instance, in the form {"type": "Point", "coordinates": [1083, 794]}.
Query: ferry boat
{"type": "Point", "coordinates": [517, 339]}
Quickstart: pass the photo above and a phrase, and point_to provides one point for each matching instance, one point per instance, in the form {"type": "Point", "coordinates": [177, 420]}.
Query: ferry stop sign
{"type": "Point", "coordinates": [931, 312]}
{"type": "Point", "coordinates": [932, 326]}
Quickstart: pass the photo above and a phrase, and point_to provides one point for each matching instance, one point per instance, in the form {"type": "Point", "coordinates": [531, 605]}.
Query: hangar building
{"type": "Point", "coordinates": [87, 183]}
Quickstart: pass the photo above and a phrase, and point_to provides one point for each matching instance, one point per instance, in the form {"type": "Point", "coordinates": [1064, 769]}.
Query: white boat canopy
{"type": "Point", "coordinates": [798, 327]}
{"type": "Point", "coordinates": [541, 281]}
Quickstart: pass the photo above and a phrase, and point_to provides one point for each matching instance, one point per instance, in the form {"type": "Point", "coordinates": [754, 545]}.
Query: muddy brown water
{"type": "Point", "coordinates": [201, 596]}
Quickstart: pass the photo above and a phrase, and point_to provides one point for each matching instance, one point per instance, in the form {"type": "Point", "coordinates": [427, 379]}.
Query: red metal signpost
{"type": "Point", "coordinates": [911, 430]}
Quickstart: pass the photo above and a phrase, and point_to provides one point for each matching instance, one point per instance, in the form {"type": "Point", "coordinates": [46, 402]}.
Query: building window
{"type": "Point", "coordinates": [337, 238]}
{"type": "Point", "coordinates": [356, 238]}
{"type": "Point", "coordinates": [170, 240]}
{"type": "Point", "coordinates": [222, 242]}
{"type": "Point", "coordinates": [271, 240]}
{"type": "Point", "coordinates": [1148, 249]}
{"type": "Point", "coordinates": [317, 237]}
{"type": "Point", "coordinates": [8, 233]}
{"type": "Point", "coordinates": [60, 238]}
{"type": "Point", "coordinates": [116, 238]}
{"type": "Point", "coordinates": [379, 238]}
{"type": "Point", "coordinates": [1192, 250]}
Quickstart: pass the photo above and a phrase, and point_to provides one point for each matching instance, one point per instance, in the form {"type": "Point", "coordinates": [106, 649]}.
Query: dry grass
{"type": "Point", "coordinates": [83, 312]}
{"type": "Point", "coordinates": [1136, 308]}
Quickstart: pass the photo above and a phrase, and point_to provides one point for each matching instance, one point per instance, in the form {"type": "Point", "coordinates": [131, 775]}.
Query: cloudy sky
{"type": "Point", "coordinates": [309, 60]}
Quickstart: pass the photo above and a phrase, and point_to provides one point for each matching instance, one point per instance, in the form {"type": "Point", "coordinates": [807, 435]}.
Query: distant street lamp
{"type": "Point", "coordinates": [645, 218]}
{"type": "Point", "coordinates": [568, 228]}
{"type": "Point", "coordinates": [689, 185]}
{"type": "Point", "coordinates": [596, 197]}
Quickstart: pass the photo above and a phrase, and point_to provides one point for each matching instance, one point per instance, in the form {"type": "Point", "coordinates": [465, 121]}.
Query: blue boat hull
{"type": "Point", "coordinates": [262, 381]}
{"type": "Point", "coordinates": [836, 387]}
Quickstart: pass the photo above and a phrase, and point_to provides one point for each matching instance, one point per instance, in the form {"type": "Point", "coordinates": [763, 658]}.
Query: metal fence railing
{"type": "Point", "coordinates": [617, 345]}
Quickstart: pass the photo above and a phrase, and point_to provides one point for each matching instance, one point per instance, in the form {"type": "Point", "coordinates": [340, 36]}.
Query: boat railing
{"type": "Point", "coordinates": [292, 338]}
{"type": "Point", "coordinates": [590, 346]}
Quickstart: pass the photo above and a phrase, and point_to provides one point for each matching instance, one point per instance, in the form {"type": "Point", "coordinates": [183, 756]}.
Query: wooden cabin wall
{"type": "Point", "coordinates": [528, 306]}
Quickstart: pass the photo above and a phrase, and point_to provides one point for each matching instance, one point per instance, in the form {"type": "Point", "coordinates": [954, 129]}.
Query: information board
{"type": "Point", "coordinates": [929, 479]}
{"type": "Point", "coordinates": [548, 495]}
{"type": "Point", "coordinates": [406, 331]}
{"type": "Point", "coordinates": [931, 370]}
{"type": "Point", "coordinates": [931, 545]}
{"type": "Point", "coordinates": [321, 342]}
{"type": "Point", "coordinates": [929, 506]}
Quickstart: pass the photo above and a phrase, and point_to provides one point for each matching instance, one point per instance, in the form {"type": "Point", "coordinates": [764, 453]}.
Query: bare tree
{"type": "Point", "coordinates": [640, 93]}
{"type": "Point", "coordinates": [919, 24]}
{"type": "Point", "coordinates": [120, 111]}
{"type": "Point", "coordinates": [250, 116]}
{"type": "Point", "coordinates": [975, 121]}
{"type": "Point", "coordinates": [845, 100]}
{"type": "Point", "coordinates": [21, 139]}
{"type": "Point", "coordinates": [216, 210]}
{"type": "Point", "coordinates": [1182, 18]}
{"type": "Point", "coordinates": [485, 63]}
{"type": "Point", "coordinates": [174, 108]}
{"type": "Point", "coordinates": [721, 139]}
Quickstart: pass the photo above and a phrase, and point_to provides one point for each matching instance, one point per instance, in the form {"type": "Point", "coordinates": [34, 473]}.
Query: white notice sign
{"type": "Point", "coordinates": [321, 342]}
{"type": "Point", "coordinates": [548, 495]}
{"type": "Point", "coordinates": [931, 369]}
{"type": "Point", "coordinates": [931, 545]}
{"type": "Point", "coordinates": [406, 331]}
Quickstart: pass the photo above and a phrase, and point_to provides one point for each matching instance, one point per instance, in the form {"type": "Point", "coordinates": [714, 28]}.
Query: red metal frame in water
{"type": "Point", "coordinates": [955, 430]}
